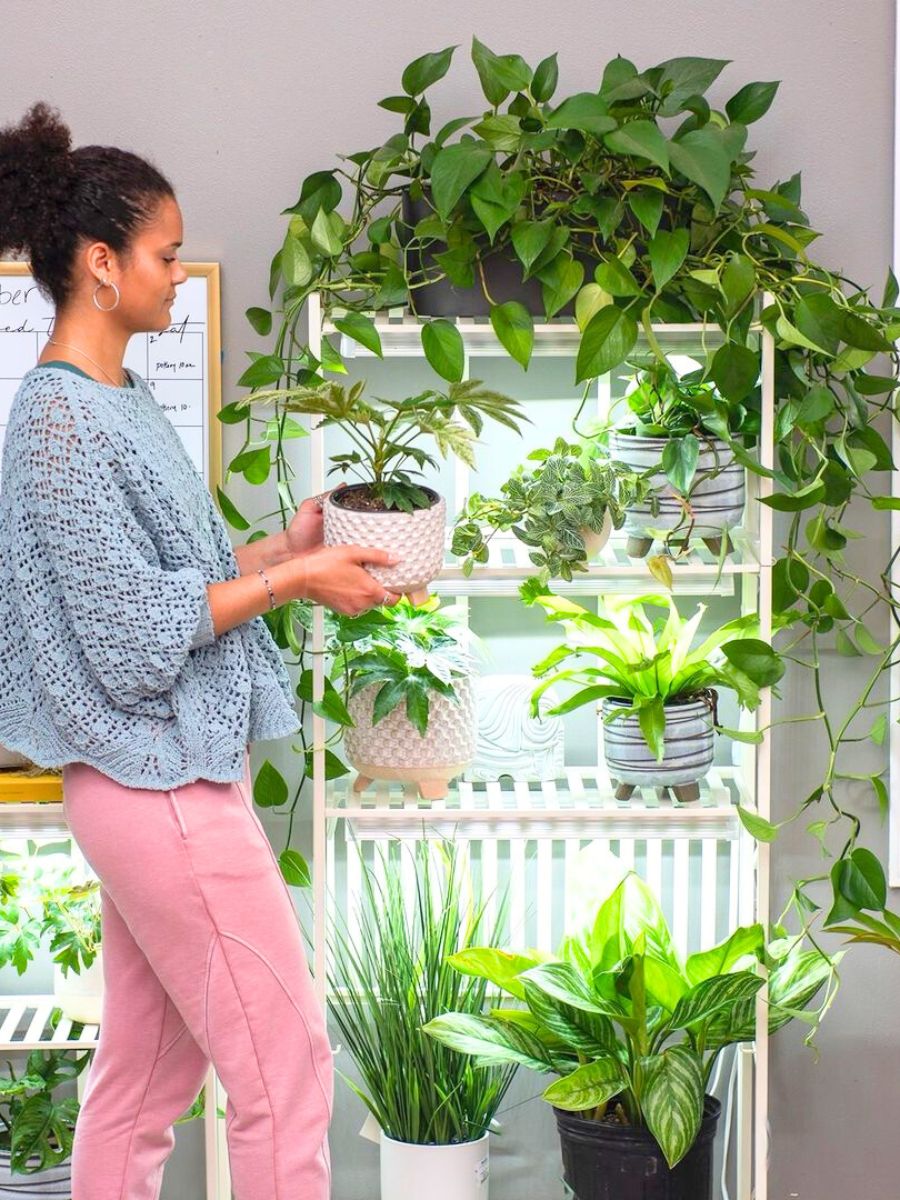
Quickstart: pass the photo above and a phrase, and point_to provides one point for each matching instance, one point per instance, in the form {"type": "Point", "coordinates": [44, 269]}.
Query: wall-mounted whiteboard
{"type": "Point", "coordinates": [182, 364]}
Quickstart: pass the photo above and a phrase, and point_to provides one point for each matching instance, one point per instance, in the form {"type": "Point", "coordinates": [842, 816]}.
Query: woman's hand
{"type": "Point", "coordinates": [304, 533]}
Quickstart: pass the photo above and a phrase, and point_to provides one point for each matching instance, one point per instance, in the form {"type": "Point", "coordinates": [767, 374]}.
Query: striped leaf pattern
{"type": "Point", "coordinates": [673, 1099]}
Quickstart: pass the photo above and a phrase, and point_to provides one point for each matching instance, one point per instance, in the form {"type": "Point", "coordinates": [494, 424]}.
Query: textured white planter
{"type": "Point", "coordinates": [41, 1185]}
{"type": "Point", "coordinates": [80, 996]}
{"type": "Point", "coordinates": [688, 747]}
{"type": "Point", "coordinates": [395, 750]}
{"type": "Point", "coordinates": [595, 541]}
{"type": "Point", "coordinates": [716, 498]}
{"type": "Point", "coordinates": [456, 1172]}
{"type": "Point", "coordinates": [417, 537]}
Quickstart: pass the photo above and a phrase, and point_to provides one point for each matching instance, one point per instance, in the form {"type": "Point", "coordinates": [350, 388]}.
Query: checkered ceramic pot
{"type": "Point", "coordinates": [417, 537]}
{"type": "Point", "coordinates": [394, 748]}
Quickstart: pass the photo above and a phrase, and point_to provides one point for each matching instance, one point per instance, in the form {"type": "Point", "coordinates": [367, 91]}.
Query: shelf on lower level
{"type": "Point", "coordinates": [25, 1025]}
{"type": "Point", "coordinates": [581, 800]}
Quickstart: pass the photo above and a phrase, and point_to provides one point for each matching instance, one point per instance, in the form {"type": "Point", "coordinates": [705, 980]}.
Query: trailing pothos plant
{"type": "Point", "coordinates": [636, 203]}
{"type": "Point", "coordinates": [631, 1027]}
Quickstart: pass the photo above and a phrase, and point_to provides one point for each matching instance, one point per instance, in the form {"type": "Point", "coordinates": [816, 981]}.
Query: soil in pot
{"type": "Point", "coordinates": [604, 1160]}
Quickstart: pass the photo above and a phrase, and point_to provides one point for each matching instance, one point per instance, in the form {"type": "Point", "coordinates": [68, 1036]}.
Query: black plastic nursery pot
{"type": "Point", "coordinates": [502, 277]}
{"type": "Point", "coordinates": [604, 1161]}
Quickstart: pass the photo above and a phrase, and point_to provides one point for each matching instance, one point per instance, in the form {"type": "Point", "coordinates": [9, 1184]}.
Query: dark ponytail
{"type": "Point", "coordinates": [53, 198]}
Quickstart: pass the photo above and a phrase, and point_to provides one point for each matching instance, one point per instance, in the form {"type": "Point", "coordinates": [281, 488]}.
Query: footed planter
{"type": "Point", "coordinates": [454, 1172]}
{"type": "Point", "coordinates": [688, 748]}
{"type": "Point", "coordinates": [395, 750]}
{"type": "Point", "coordinates": [716, 500]}
{"type": "Point", "coordinates": [606, 1161]}
{"type": "Point", "coordinates": [595, 540]}
{"type": "Point", "coordinates": [417, 537]}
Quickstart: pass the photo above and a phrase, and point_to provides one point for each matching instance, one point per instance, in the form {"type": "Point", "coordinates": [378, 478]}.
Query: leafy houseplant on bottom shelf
{"type": "Point", "coordinates": [564, 509]}
{"type": "Point", "coordinates": [37, 1131]}
{"type": "Point", "coordinates": [410, 713]}
{"type": "Point", "coordinates": [389, 509]}
{"type": "Point", "coordinates": [690, 444]}
{"type": "Point", "coordinates": [634, 1031]}
{"type": "Point", "coordinates": [40, 900]}
{"type": "Point", "coordinates": [657, 692]}
{"type": "Point", "coordinates": [390, 976]}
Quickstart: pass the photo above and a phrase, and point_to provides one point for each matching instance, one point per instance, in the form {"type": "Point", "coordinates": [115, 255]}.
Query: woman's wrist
{"type": "Point", "coordinates": [265, 552]}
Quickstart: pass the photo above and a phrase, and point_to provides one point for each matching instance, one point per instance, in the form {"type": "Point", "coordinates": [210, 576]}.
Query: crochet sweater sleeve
{"type": "Point", "coordinates": [135, 621]}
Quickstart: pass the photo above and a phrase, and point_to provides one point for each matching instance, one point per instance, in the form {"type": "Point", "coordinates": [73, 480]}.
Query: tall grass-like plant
{"type": "Point", "coordinates": [391, 975]}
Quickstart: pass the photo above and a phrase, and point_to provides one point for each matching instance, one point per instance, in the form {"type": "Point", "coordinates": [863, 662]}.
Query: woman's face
{"type": "Point", "coordinates": [147, 279]}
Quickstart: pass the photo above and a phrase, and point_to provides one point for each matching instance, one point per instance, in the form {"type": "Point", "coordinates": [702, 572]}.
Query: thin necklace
{"type": "Point", "coordinates": [88, 357]}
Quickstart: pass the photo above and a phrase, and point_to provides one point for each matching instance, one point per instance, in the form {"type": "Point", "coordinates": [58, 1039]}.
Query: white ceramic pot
{"type": "Point", "coordinates": [594, 541]}
{"type": "Point", "coordinates": [688, 748]}
{"type": "Point", "coordinates": [716, 499]}
{"type": "Point", "coordinates": [417, 537]}
{"type": "Point", "coordinates": [80, 995]}
{"type": "Point", "coordinates": [39, 1185]}
{"type": "Point", "coordinates": [393, 749]}
{"type": "Point", "coordinates": [455, 1172]}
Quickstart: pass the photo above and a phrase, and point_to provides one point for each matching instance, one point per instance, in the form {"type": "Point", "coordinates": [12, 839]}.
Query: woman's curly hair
{"type": "Point", "coordinates": [54, 198]}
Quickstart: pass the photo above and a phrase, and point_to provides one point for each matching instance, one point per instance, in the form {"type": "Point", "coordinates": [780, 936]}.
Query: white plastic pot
{"type": "Point", "coordinates": [80, 995]}
{"type": "Point", "coordinates": [456, 1172]}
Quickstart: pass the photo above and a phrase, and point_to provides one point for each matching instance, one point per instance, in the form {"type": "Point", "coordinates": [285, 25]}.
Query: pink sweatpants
{"type": "Point", "coordinates": [203, 961]}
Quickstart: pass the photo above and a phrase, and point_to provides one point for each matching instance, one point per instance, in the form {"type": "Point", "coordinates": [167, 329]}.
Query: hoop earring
{"type": "Point", "coordinates": [106, 283]}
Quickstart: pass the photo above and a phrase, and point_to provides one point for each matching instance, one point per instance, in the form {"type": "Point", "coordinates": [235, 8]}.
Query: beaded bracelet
{"type": "Point", "coordinates": [265, 578]}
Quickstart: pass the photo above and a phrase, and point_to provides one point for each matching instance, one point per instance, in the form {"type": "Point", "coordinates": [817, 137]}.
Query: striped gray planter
{"type": "Point", "coordinates": [716, 499]}
{"type": "Point", "coordinates": [55, 1181]}
{"type": "Point", "coordinates": [688, 746]}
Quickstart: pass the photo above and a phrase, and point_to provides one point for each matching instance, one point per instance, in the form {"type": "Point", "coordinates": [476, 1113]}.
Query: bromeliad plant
{"type": "Point", "coordinates": [554, 509]}
{"type": "Point", "coordinates": [390, 974]}
{"type": "Point", "coordinates": [630, 1026]}
{"type": "Point", "coordinates": [646, 663]}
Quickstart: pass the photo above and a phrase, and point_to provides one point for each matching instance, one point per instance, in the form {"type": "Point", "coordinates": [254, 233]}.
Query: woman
{"type": "Point", "coordinates": [133, 654]}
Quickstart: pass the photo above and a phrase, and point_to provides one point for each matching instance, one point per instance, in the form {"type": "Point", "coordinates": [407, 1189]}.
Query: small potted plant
{"type": "Point", "coordinates": [36, 1130]}
{"type": "Point", "coordinates": [389, 509]}
{"type": "Point", "coordinates": [564, 509]}
{"type": "Point", "coordinates": [39, 902]}
{"type": "Point", "coordinates": [682, 438]}
{"type": "Point", "coordinates": [633, 1031]}
{"type": "Point", "coordinates": [657, 694]}
{"type": "Point", "coordinates": [390, 975]}
{"type": "Point", "coordinates": [410, 710]}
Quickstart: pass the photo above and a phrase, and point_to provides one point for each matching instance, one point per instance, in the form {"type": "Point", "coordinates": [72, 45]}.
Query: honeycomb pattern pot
{"type": "Point", "coordinates": [395, 750]}
{"type": "Point", "coordinates": [417, 537]}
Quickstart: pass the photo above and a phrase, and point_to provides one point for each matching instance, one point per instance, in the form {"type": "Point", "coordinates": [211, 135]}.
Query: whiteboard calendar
{"type": "Point", "coordinates": [181, 364]}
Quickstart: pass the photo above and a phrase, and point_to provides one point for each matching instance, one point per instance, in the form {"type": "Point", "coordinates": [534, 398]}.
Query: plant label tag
{"type": "Point", "coordinates": [371, 1130]}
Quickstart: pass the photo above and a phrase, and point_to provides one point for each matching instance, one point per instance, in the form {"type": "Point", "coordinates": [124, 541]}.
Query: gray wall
{"type": "Point", "coordinates": [237, 102]}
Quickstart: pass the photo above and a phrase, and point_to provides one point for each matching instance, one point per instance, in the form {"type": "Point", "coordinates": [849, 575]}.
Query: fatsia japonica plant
{"type": "Point", "coordinates": [626, 206]}
{"type": "Point", "coordinates": [626, 1022]}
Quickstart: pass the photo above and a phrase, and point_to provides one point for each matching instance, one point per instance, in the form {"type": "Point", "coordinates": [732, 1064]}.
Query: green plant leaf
{"type": "Point", "coordinates": [514, 327]}
{"type": "Point", "coordinates": [500, 74]}
{"type": "Point", "coordinates": [679, 461]}
{"type": "Point", "coordinates": [713, 993]}
{"type": "Point", "coordinates": [295, 868]}
{"type": "Point", "coordinates": [545, 79]}
{"type": "Point", "coordinates": [668, 250]}
{"type": "Point", "coordinates": [443, 346]}
{"type": "Point", "coordinates": [747, 940]}
{"type": "Point", "coordinates": [559, 282]}
{"type": "Point", "coordinates": [326, 232]}
{"type": "Point", "coordinates": [453, 169]}
{"type": "Point", "coordinates": [861, 880]}
{"type": "Point", "coordinates": [587, 1086]}
{"type": "Point", "coordinates": [606, 342]}
{"type": "Point", "coordinates": [641, 139]}
{"type": "Point", "coordinates": [530, 238]}
{"type": "Point", "coordinates": [615, 278]}
{"type": "Point", "coordinates": [490, 1040]}
{"type": "Point", "coordinates": [422, 72]}
{"type": "Point", "coordinates": [361, 329]}
{"type": "Point", "coordinates": [495, 197]}
{"type": "Point", "coordinates": [751, 102]}
{"type": "Point", "coordinates": [585, 111]}
{"type": "Point", "coordinates": [260, 319]}
{"type": "Point", "coordinates": [759, 827]}
{"type": "Point", "coordinates": [701, 157]}
{"type": "Point", "coordinates": [756, 659]}
{"type": "Point", "coordinates": [735, 370]}
{"type": "Point", "coordinates": [673, 1099]}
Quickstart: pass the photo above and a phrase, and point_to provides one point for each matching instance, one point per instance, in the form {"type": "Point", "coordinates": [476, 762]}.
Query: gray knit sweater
{"type": "Point", "coordinates": [108, 538]}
